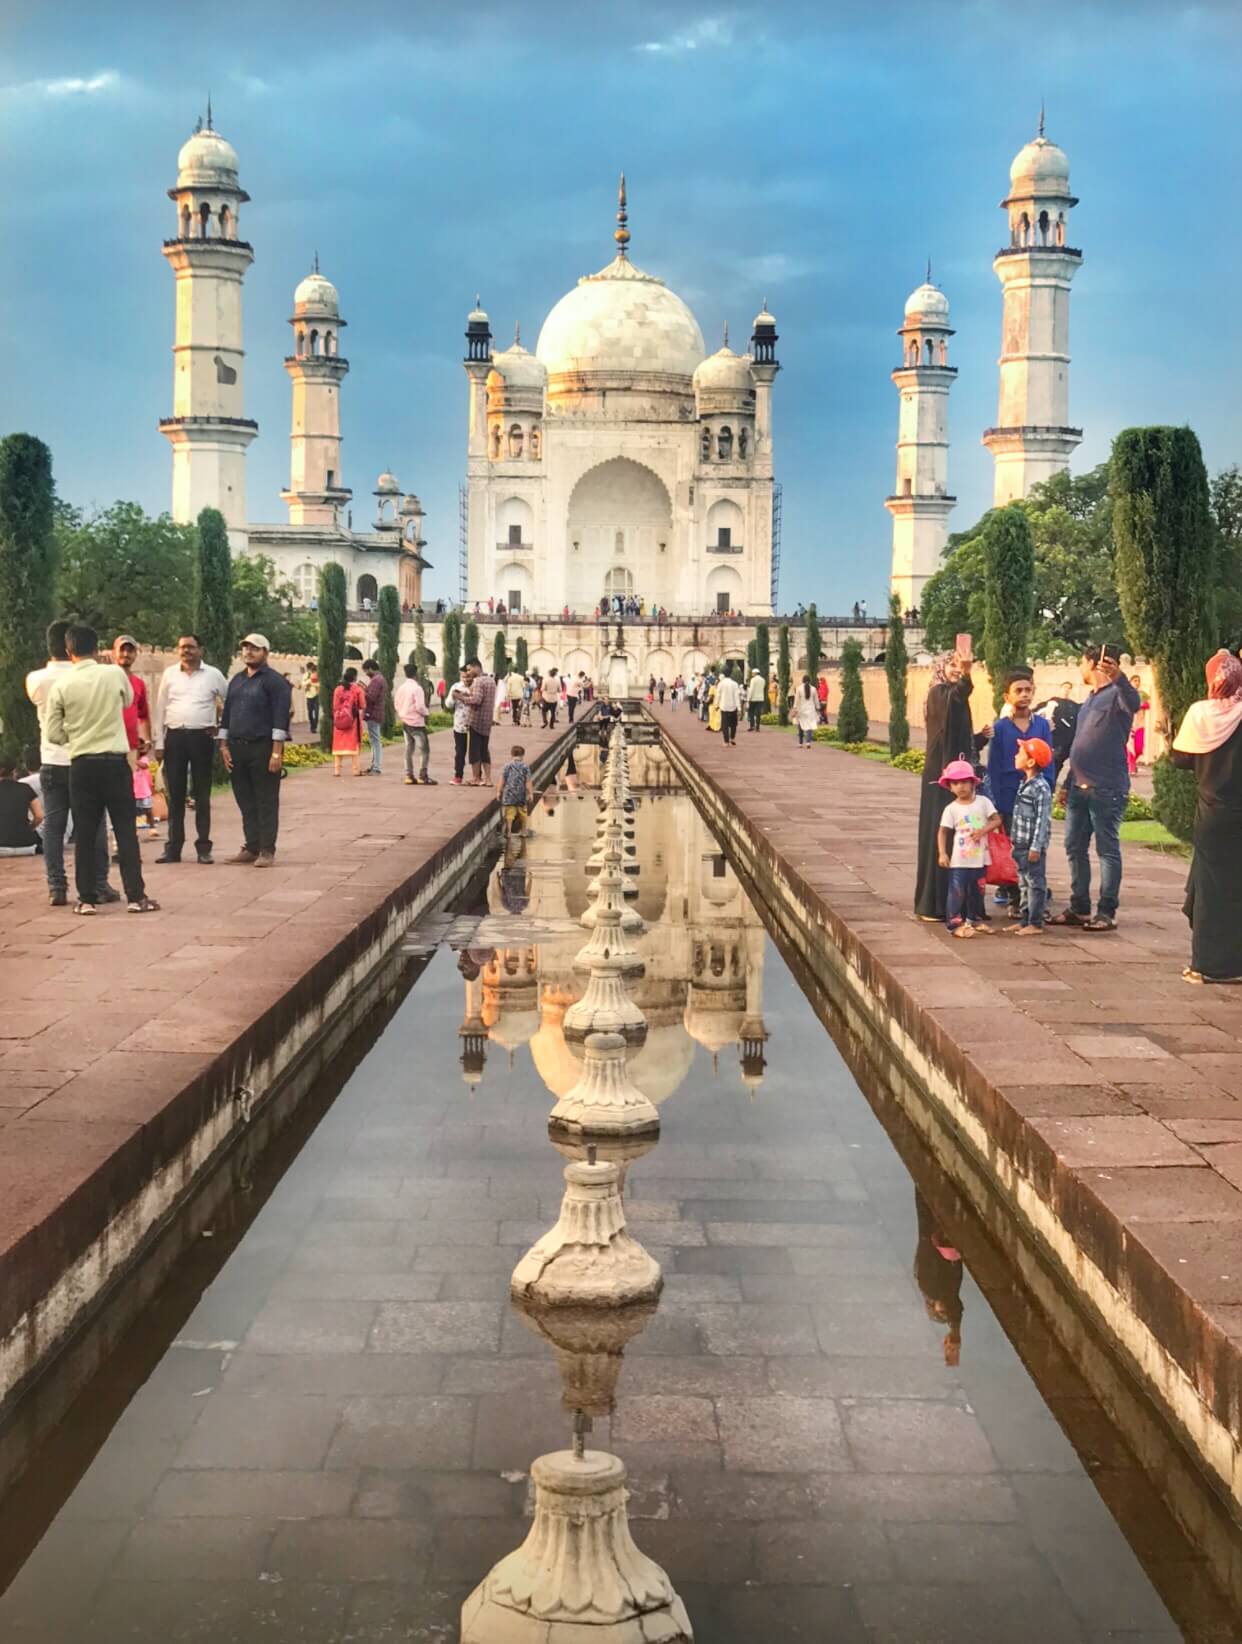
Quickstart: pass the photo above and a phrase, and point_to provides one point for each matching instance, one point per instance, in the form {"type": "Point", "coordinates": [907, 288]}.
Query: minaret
{"type": "Point", "coordinates": [1033, 439]}
{"type": "Point", "coordinates": [478, 364]}
{"type": "Point", "coordinates": [316, 495]}
{"type": "Point", "coordinates": [920, 504]}
{"type": "Point", "coordinates": [207, 430]}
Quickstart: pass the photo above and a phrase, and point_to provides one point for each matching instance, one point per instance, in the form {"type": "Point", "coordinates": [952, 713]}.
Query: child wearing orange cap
{"type": "Point", "coordinates": [1031, 830]}
{"type": "Point", "coordinates": [964, 828]}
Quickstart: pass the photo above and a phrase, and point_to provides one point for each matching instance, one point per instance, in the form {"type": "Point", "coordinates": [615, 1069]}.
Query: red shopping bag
{"type": "Point", "coordinates": [1001, 869]}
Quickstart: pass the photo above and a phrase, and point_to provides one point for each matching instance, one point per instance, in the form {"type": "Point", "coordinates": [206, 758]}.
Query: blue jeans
{"type": "Point", "coordinates": [1095, 811]}
{"type": "Point", "coordinates": [375, 738]}
{"type": "Point", "coordinates": [54, 780]}
{"type": "Point", "coordinates": [965, 897]}
{"type": "Point", "coordinates": [1032, 888]}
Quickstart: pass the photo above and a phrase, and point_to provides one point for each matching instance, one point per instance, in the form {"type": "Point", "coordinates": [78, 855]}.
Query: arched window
{"type": "Point", "coordinates": [743, 442]}
{"type": "Point", "coordinates": [912, 356]}
{"type": "Point", "coordinates": [1044, 237]}
{"type": "Point", "coordinates": [907, 487]}
{"type": "Point", "coordinates": [619, 580]}
{"type": "Point", "coordinates": [204, 221]}
{"type": "Point", "coordinates": [1061, 229]}
{"type": "Point", "coordinates": [329, 343]}
{"type": "Point", "coordinates": [536, 444]}
{"type": "Point", "coordinates": [185, 222]}
{"type": "Point", "coordinates": [927, 352]}
{"type": "Point", "coordinates": [705, 444]}
{"type": "Point", "coordinates": [515, 440]}
{"type": "Point", "coordinates": [618, 542]}
{"type": "Point", "coordinates": [226, 223]}
{"type": "Point", "coordinates": [368, 591]}
{"type": "Point", "coordinates": [944, 352]}
{"type": "Point", "coordinates": [1024, 230]}
{"type": "Point", "coordinates": [496, 440]}
{"type": "Point", "coordinates": [306, 583]}
{"type": "Point", "coordinates": [724, 444]}
{"type": "Point", "coordinates": [314, 342]}
{"type": "Point", "coordinates": [300, 346]}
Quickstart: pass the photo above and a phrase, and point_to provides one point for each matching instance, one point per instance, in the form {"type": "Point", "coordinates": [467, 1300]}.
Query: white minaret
{"type": "Point", "coordinates": [207, 430]}
{"type": "Point", "coordinates": [1032, 440]}
{"type": "Point", "coordinates": [920, 504]}
{"type": "Point", "coordinates": [316, 495]}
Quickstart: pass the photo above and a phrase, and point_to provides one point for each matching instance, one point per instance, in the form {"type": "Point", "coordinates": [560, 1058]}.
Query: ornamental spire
{"type": "Point", "coordinates": [1041, 116]}
{"type": "Point", "coordinates": [726, 333]}
{"type": "Point", "coordinates": [622, 235]}
{"type": "Point", "coordinates": [315, 265]}
{"type": "Point", "coordinates": [210, 127]}
{"type": "Point", "coordinates": [929, 278]}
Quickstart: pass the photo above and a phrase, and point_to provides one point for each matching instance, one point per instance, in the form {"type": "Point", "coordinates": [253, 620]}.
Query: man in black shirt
{"type": "Point", "coordinates": [254, 728]}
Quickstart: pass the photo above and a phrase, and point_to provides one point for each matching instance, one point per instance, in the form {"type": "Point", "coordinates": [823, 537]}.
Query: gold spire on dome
{"type": "Point", "coordinates": [622, 235]}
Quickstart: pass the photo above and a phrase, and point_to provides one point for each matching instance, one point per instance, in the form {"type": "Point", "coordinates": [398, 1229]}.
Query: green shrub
{"type": "Point", "coordinates": [1175, 794]}
{"type": "Point", "coordinates": [914, 759]}
{"type": "Point", "coordinates": [302, 755]}
{"type": "Point", "coordinates": [1138, 809]}
{"type": "Point", "coordinates": [827, 733]}
{"type": "Point", "coordinates": [438, 720]}
{"type": "Point", "coordinates": [769, 719]}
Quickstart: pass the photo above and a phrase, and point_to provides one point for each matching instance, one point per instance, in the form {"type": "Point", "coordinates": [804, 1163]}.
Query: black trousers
{"type": "Point", "coordinates": [754, 711]}
{"type": "Point", "coordinates": [257, 792]}
{"type": "Point", "coordinates": [102, 784]}
{"type": "Point", "coordinates": [573, 707]}
{"type": "Point", "coordinates": [460, 738]}
{"type": "Point", "coordinates": [549, 714]}
{"type": "Point", "coordinates": [728, 724]}
{"type": "Point", "coordinates": [312, 712]}
{"type": "Point", "coordinates": [188, 757]}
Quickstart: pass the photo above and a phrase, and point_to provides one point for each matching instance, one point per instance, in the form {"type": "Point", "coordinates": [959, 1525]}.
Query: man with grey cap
{"type": "Point", "coordinates": [254, 728]}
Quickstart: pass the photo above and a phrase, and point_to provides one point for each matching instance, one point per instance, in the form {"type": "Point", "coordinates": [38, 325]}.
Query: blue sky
{"type": "Point", "coordinates": [813, 154]}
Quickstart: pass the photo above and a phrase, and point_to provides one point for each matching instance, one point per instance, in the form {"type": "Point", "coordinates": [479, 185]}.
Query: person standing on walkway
{"type": "Point", "coordinates": [550, 694]}
{"type": "Point", "coordinates": [54, 782]}
{"type": "Point", "coordinates": [950, 736]}
{"type": "Point", "coordinates": [515, 684]}
{"type": "Point", "coordinates": [729, 701]}
{"type": "Point", "coordinates": [805, 712]}
{"type": "Point", "coordinates": [310, 683]}
{"type": "Point", "coordinates": [253, 731]}
{"type": "Point", "coordinates": [963, 851]}
{"type": "Point", "coordinates": [1099, 786]}
{"type": "Point", "coordinates": [756, 697]}
{"type": "Point", "coordinates": [1061, 712]}
{"type": "Point", "coordinates": [821, 691]}
{"type": "Point", "coordinates": [458, 694]}
{"type": "Point", "coordinates": [1209, 742]}
{"type": "Point", "coordinates": [138, 714]}
{"type": "Point", "coordinates": [85, 714]}
{"type": "Point", "coordinates": [376, 692]}
{"type": "Point", "coordinates": [573, 690]}
{"type": "Point", "coordinates": [1030, 828]}
{"type": "Point", "coordinates": [410, 704]}
{"type": "Point", "coordinates": [1013, 726]}
{"type": "Point", "coordinates": [187, 710]}
{"type": "Point", "coordinates": [480, 714]}
{"type": "Point", "coordinates": [348, 706]}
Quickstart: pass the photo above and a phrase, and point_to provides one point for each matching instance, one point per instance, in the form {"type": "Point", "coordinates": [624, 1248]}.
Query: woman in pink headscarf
{"type": "Point", "coordinates": [1210, 743]}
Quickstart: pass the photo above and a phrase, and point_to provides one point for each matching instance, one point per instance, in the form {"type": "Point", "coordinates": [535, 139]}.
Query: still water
{"type": "Point", "coordinates": [829, 1435]}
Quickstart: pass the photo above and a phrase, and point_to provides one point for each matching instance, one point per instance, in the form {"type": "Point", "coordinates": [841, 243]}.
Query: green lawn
{"type": "Point", "coordinates": [1155, 836]}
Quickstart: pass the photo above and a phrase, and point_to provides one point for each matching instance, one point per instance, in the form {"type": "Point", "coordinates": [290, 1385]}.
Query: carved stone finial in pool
{"type": "Point", "coordinates": [605, 1101]}
{"type": "Point", "coordinates": [588, 1259]}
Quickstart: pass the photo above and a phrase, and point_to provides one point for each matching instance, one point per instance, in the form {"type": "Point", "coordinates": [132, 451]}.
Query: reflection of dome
{"type": "Point", "coordinates": [725, 373]}
{"type": "Point", "coordinates": [663, 1062]}
{"type": "Point", "coordinates": [555, 1063]}
{"type": "Point", "coordinates": [519, 368]}
{"type": "Point", "coordinates": [714, 1026]}
{"type": "Point", "coordinates": [513, 1028]}
{"type": "Point", "coordinates": [1040, 168]}
{"type": "Point", "coordinates": [928, 302]}
{"type": "Point", "coordinates": [621, 320]}
{"type": "Point", "coordinates": [207, 161]}
{"type": "Point", "coordinates": [318, 293]}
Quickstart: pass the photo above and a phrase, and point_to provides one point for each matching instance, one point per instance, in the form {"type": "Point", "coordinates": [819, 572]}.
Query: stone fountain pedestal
{"type": "Point", "coordinates": [588, 1259]}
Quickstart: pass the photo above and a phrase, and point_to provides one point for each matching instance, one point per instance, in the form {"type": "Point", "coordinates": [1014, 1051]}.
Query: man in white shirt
{"type": "Point", "coordinates": [409, 703]}
{"type": "Point", "coordinates": [187, 711]}
{"type": "Point", "coordinates": [54, 781]}
{"type": "Point", "coordinates": [756, 700]}
{"type": "Point", "coordinates": [729, 701]}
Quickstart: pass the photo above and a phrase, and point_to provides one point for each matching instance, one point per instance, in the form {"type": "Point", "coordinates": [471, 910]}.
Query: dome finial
{"type": "Point", "coordinates": [210, 127]}
{"type": "Point", "coordinates": [517, 334]}
{"type": "Point", "coordinates": [622, 235]}
{"type": "Point", "coordinates": [315, 264]}
{"type": "Point", "coordinates": [929, 278]}
{"type": "Point", "coordinates": [1041, 116]}
{"type": "Point", "coordinates": [726, 333]}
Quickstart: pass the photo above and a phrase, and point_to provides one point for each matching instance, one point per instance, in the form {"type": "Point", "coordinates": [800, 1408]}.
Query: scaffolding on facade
{"type": "Point", "coordinates": [463, 543]}
{"type": "Point", "coordinates": [776, 542]}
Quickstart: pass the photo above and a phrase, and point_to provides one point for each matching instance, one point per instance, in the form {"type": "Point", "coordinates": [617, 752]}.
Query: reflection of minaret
{"type": "Point", "coordinates": [473, 1029]}
{"type": "Point", "coordinates": [754, 1033]}
{"type": "Point", "coordinates": [511, 996]}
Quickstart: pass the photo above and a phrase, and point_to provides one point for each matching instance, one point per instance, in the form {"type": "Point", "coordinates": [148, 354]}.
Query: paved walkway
{"type": "Point", "coordinates": [1130, 1077]}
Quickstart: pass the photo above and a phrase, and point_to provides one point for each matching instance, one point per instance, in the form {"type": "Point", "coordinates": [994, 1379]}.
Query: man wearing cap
{"type": "Point", "coordinates": [253, 731]}
{"type": "Point", "coordinates": [187, 706]}
{"type": "Point", "coordinates": [138, 714]}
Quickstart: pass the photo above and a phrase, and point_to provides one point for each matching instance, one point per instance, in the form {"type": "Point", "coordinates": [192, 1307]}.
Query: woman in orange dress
{"type": "Point", "coordinates": [348, 704]}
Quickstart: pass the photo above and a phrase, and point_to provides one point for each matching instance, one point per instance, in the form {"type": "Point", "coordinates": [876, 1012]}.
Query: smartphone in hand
{"type": "Point", "coordinates": [964, 646]}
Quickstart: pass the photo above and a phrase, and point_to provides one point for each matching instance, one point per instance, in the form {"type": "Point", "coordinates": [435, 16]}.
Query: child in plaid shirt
{"type": "Point", "coordinates": [515, 792]}
{"type": "Point", "coordinates": [1032, 829]}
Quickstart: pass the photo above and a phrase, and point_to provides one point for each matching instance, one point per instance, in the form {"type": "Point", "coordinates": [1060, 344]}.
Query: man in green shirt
{"type": "Point", "coordinates": [85, 713]}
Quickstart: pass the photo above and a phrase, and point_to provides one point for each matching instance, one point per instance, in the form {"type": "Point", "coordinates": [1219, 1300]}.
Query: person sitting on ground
{"type": "Point", "coordinates": [1030, 830]}
{"type": "Point", "coordinates": [964, 826]}
{"type": "Point", "coordinates": [20, 814]}
{"type": "Point", "coordinates": [410, 705]}
{"type": "Point", "coordinates": [516, 793]}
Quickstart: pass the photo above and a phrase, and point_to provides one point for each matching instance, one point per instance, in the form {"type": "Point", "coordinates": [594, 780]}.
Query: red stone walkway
{"type": "Point", "coordinates": [1124, 1081]}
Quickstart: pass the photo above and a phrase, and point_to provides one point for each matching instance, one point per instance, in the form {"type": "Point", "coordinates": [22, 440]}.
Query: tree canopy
{"type": "Point", "coordinates": [124, 572]}
{"type": "Point", "coordinates": [27, 567]}
{"type": "Point", "coordinates": [263, 603]}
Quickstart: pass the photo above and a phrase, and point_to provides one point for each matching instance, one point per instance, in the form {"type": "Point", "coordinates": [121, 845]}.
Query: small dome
{"type": "Point", "coordinates": [207, 160]}
{"type": "Point", "coordinates": [409, 506]}
{"type": "Point", "coordinates": [621, 321]}
{"type": "Point", "coordinates": [1040, 168]}
{"type": "Point", "coordinates": [477, 315]}
{"type": "Point", "coordinates": [764, 318]}
{"type": "Point", "coordinates": [520, 368]}
{"type": "Point", "coordinates": [387, 485]}
{"type": "Point", "coordinates": [714, 1025]}
{"type": "Point", "coordinates": [928, 300]}
{"type": "Point", "coordinates": [318, 293]}
{"type": "Point", "coordinates": [725, 372]}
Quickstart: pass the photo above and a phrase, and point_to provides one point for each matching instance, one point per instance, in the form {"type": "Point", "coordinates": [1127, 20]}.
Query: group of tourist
{"type": "Point", "coordinates": [718, 698]}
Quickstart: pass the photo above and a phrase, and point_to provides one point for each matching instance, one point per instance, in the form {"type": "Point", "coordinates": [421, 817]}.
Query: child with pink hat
{"type": "Point", "coordinates": [964, 828]}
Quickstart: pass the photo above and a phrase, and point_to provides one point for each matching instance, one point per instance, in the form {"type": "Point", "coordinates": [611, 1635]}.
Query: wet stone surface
{"type": "Point", "coordinates": [340, 1445]}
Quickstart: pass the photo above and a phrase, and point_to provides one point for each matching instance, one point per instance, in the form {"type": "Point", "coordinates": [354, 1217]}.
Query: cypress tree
{"type": "Point", "coordinates": [763, 650]}
{"type": "Point", "coordinates": [1008, 593]}
{"type": "Point", "coordinates": [27, 572]}
{"type": "Point", "coordinates": [470, 640]}
{"type": "Point", "coordinates": [782, 675]}
{"type": "Point", "coordinates": [752, 654]}
{"type": "Point", "coordinates": [852, 724]}
{"type": "Point", "coordinates": [450, 644]}
{"type": "Point", "coordinates": [521, 657]}
{"type": "Point", "coordinates": [331, 643]}
{"type": "Point", "coordinates": [388, 648]}
{"type": "Point", "coordinates": [419, 656]}
{"type": "Point", "coordinates": [1167, 559]}
{"type": "Point", "coordinates": [895, 665]}
{"type": "Point", "coordinates": [500, 661]}
{"type": "Point", "coordinates": [814, 644]}
{"type": "Point", "coordinates": [213, 590]}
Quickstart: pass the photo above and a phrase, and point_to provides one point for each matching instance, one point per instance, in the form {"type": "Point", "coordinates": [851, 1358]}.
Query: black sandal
{"type": "Point", "coordinates": [1100, 922]}
{"type": "Point", "coordinates": [1067, 916]}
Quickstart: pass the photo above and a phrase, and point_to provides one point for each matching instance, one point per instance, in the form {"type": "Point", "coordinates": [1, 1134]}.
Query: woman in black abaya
{"type": "Point", "coordinates": [950, 735]}
{"type": "Point", "coordinates": [1210, 743]}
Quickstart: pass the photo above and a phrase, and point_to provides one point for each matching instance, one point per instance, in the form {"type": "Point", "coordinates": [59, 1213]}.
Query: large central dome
{"type": "Point", "coordinates": [621, 321]}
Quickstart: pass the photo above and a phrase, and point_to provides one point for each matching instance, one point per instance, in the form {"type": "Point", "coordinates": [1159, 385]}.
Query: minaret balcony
{"type": "Point", "coordinates": [313, 360]}
{"type": "Point", "coordinates": [933, 371]}
{"type": "Point", "coordinates": [1040, 251]}
{"type": "Point", "coordinates": [1033, 430]}
{"type": "Point", "coordinates": [914, 498]}
{"type": "Point", "coordinates": [171, 423]}
{"type": "Point", "coordinates": [196, 241]}
{"type": "Point", "coordinates": [515, 547]}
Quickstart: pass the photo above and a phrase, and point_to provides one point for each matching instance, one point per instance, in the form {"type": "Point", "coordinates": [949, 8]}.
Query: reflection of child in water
{"type": "Point", "coordinates": [568, 778]}
{"type": "Point", "coordinates": [513, 878]}
{"type": "Point", "coordinates": [938, 1274]}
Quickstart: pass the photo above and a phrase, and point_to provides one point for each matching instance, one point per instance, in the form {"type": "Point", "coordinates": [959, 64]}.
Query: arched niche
{"type": "Point", "coordinates": [724, 589]}
{"type": "Point", "coordinates": [515, 522]}
{"type": "Point", "coordinates": [624, 496]}
{"type": "Point", "coordinates": [725, 525]}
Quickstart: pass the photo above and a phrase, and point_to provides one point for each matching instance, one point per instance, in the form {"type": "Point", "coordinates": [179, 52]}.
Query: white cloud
{"type": "Point", "coordinates": [72, 85]}
{"type": "Point", "coordinates": [707, 32]}
{"type": "Point", "coordinates": [252, 84]}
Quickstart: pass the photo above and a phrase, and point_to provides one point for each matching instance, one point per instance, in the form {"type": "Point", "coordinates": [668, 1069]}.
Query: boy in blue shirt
{"type": "Point", "coordinates": [1010, 730]}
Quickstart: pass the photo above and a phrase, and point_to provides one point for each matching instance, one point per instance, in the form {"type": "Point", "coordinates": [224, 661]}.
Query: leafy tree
{"type": "Point", "coordinates": [27, 573]}
{"type": "Point", "coordinates": [852, 722]}
{"type": "Point", "coordinates": [388, 647]}
{"type": "Point", "coordinates": [125, 573]}
{"type": "Point", "coordinates": [895, 665]}
{"type": "Point", "coordinates": [1226, 500]}
{"type": "Point", "coordinates": [500, 661]}
{"type": "Point", "coordinates": [1168, 562]}
{"type": "Point", "coordinates": [470, 640]}
{"type": "Point", "coordinates": [1009, 593]}
{"type": "Point", "coordinates": [419, 655]}
{"type": "Point", "coordinates": [450, 644]}
{"type": "Point", "coordinates": [782, 674]}
{"type": "Point", "coordinates": [332, 596]}
{"type": "Point", "coordinates": [521, 656]}
{"type": "Point", "coordinates": [814, 644]}
{"type": "Point", "coordinates": [752, 654]}
{"type": "Point", "coordinates": [763, 650]}
{"type": "Point", "coordinates": [263, 604]}
{"type": "Point", "coordinates": [213, 590]}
